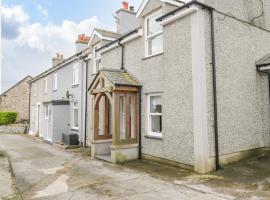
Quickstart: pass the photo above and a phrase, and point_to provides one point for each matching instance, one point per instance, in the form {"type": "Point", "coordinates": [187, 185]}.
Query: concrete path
{"type": "Point", "coordinates": [48, 172]}
{"type": "Point", "coordinates": [7, 189]}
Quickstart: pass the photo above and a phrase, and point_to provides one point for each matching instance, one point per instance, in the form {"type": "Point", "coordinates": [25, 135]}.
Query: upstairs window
{"type": "Point", "coordinates": [96, 60]}
{"type": "Point", "coordinates": [153, 35]}
{"type": "Point", "coordinates": [55, 81]}
{"type": "Point", "coordinates": [45, 85]}
{"type": "Point", "coordinates": [75, 73]}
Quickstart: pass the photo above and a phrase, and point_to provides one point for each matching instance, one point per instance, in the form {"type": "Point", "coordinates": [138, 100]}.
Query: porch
{"type": "Point", "coordinates": [115, 116]}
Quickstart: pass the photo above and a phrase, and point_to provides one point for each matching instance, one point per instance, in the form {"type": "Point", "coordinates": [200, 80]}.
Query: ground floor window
{"type": "Point", "coordinates": [155, 115]}
{"type": "Point", "coordinates": [75, 115]}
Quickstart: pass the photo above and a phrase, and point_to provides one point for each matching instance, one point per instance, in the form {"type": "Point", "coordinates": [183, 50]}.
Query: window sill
{"type": "Point", "coordinates": [55, 90]}
{"type": "Point", "coordinates": [76, 85]}
{"type": "Point", "coordinates": [153, 137]}
{"type": "Point", "coordinates": [75, 129]}
{"type": "Point", "coordinates": [154, 55]}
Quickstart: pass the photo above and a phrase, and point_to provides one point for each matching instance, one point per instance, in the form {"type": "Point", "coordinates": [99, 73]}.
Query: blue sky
{"type": "Point", "coordinates": [34, 30]}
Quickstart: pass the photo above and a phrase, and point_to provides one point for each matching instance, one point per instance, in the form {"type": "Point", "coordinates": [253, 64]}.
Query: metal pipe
{"type": "Point", "coordinates": [214, 90]}
{"type": "Point", "coordinates": [85, 103]}
{"type": "Point", "coordinates": [122, 53]}
{"type": "Point", "coordinates": [140, 122]}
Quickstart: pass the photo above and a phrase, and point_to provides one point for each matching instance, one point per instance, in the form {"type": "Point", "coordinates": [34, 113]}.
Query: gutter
{"type": "Point", "coordinates": [213, 52]}
{"type": "Point", "coordinates": [119, 39]}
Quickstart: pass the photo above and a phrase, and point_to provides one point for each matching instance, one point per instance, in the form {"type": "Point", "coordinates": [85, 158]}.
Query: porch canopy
{"type": "Point", "coordinates": [263, 64]}
{"type": "Point", "coordinates": [115, 107]}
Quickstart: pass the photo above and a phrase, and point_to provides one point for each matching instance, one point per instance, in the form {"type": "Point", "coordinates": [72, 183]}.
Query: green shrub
{"type": "Point", "coordinates": [8, 117]}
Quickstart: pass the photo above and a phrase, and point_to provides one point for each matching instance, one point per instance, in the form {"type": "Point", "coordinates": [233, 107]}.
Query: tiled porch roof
{"type": "Point", "coordinates": [120, 77]}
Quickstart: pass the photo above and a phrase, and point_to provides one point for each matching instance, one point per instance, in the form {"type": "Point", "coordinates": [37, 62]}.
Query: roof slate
{"type": "Point", "coordinates": [108, 33]}
{"type": "Point", "coordinates": [120, 77]}
{"type": "Point", "coordinates": [264, 60]}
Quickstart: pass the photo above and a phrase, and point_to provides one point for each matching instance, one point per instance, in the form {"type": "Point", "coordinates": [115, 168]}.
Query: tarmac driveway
{"type": "Point", "coordinates": [44, 171]}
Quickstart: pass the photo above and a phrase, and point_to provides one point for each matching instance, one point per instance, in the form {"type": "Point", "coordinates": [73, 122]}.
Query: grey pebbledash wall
{"type": "Point", "coordinates": [170, 74]}
{"type": "Point", "coordinates": [242, 93]}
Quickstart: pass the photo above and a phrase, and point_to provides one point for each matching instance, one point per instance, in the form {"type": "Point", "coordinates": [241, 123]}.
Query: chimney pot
{"type": "Point", "coordinates": [131, 8]}
{"type": "Point", "coordinates": [125, 5]}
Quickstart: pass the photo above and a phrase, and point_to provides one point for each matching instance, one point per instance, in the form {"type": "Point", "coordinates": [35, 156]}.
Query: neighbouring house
{"type": "Point", "coordinates": [58, 97]}
{"type": "Point", "coordinates": [187, 83]}
{"type": "Point", "coordinates": [16, 98]}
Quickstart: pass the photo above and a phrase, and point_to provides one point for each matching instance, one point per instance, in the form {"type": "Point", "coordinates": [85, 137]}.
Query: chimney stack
{"type": "Point", "coordinates": [57, 59]}
{"type": "Point", "coordinates": [82, 42]}
{"type": "Point", "coordinates": [126, 19]}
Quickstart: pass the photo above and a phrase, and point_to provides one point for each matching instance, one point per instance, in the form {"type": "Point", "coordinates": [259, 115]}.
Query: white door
{"type": "Point", "coordinates": [47, 122]}
{"type": "Point", "coordinates": [50, 123]}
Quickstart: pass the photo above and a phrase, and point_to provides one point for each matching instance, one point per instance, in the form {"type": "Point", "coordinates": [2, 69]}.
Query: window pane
{"type": "Point", "coordinates": [155, 104]}
{"type": "Point", "coordinates": [132, 116]}
{"type": "Point", "coordinates": [101, 120]}
{"type": "Point", "coordinates": [155, 44]}
{"type": "Point", "coordinates": [76, 121]}
{"type": "Point", "coordinates": [156, 123]}
{"type": "Point", "coordinates": [122, 117]}
{"type": "Point", "coordinates": [152, 25]}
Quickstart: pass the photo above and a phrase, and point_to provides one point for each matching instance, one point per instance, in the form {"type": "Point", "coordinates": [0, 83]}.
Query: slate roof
{"type": "Point", "coordinates": [120, 77]}
{"type": "Point", "coordinates": [264, 60]}
{"type": "Point", "coordinates": [108, 33]}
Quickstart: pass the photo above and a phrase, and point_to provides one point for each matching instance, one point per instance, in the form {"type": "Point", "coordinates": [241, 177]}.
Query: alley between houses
{"type": "Point", "coordinates": [45, 171]}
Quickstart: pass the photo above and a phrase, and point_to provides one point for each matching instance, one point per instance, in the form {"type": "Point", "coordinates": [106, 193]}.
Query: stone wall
{"type": "Point", "coordinates": [17, 99]}
{"type": "Point", "coordinates": [14, 128]}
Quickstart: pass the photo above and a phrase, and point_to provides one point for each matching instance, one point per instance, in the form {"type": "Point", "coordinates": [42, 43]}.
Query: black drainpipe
{"type": "Point", "coordinates": [214, 90]}
{"type": "Point", "coordinates": [85, 106]}
{"type": "Point", "coordinates": [122, 53]}
{"type": "Point", "coordinates": [29, 107]}
{"type": "Point", "coordinates": [140, 122]}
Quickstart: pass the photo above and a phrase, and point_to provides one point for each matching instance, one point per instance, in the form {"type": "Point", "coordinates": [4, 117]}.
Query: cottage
{"type": "Point", "coordinates": [58, 97]}
{"type": "Point", "coordinates": [182, 84]}
{"type": "Point", "coordinates": [16, 98]}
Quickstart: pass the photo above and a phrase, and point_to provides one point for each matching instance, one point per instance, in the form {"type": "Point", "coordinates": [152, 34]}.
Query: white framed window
{"type": "Point", "coordinates": [55, 81]}
{"type": "Point", "coordinates": [153, 34]}
{"type": "Point", "coordinates": [75, 114]}
{"type": "Point", "coordinates": [154, 108]}
{"type": "Point", "coordinates": [45, 85]}
{"type": "Point", "coordinates": [34, 89]}
{"type": "Point", "coordinates": [46, 111]}
{"type": "Point", "coordinates": [75, 73]}
{"type": "Point", "coordinates": [96, 60]}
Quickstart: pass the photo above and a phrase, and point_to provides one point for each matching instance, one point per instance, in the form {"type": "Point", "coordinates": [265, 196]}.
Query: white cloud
{"type": "Point", "coordinates": [42, 10]}
{"type": "Point", "coordinates": [12, 19]}
{"type": "Point", "coordinates": [27, 48]}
